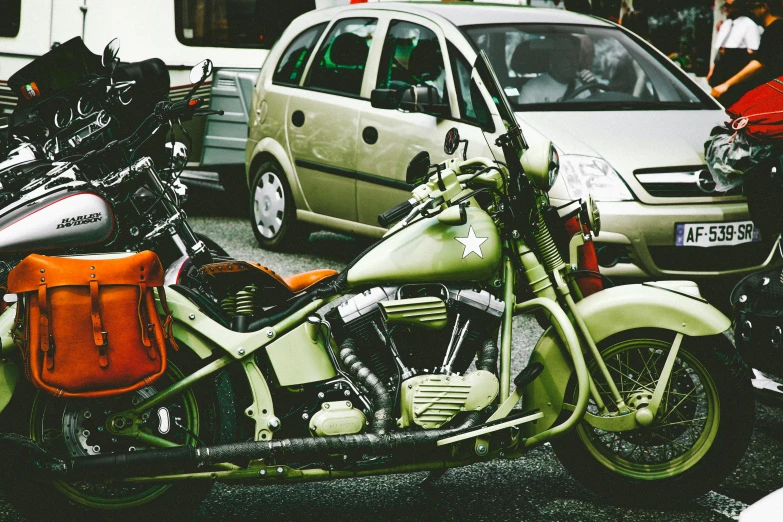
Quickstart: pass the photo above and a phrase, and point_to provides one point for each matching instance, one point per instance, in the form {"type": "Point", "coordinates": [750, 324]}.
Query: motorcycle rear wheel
{"type": "Point", "coordinates": [701, 432]}
{"type": "Point", "coordinates": [63, 427]}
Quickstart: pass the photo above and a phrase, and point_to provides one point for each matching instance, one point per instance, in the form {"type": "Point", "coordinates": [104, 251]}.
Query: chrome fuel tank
{"type": "Point", "coordinates": [67, 216]}
{"type": "Point", "coordinates": [429, 250]}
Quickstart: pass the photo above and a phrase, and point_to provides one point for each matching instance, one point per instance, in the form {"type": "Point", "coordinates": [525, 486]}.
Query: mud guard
{"type": "Point", "coordinates": [671, 305]}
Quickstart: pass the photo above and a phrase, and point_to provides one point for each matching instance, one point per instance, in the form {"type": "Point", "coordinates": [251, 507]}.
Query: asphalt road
{"type": "Point", "coordinates": [533, 488]}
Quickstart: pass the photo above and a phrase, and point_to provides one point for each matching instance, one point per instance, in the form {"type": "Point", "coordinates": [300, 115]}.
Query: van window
{"type": "Point", "coordinates": [339, 65]}
{"type": "Point", "coordinates": [289, 69]}
{"type": "Point", "coordinates": [9, 21]}
{"type": "Point", "coordinates": [235, 23]}
{"type": "Point", "coordinates": [462, 70]}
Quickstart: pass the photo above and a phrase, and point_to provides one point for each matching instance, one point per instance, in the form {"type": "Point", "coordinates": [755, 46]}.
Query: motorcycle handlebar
{"type": "Point", "coordinates": [395, 213]}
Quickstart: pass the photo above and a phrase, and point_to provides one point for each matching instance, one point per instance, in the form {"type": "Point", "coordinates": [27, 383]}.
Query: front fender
{"type": "Point", "coordinates": [660, 305]}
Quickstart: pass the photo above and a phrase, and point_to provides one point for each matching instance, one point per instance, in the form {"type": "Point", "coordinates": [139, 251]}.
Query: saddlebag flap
{"type": "Point", "coordinates": [90, 325]}
{"type": "Point", "coordinates": [758, 320]}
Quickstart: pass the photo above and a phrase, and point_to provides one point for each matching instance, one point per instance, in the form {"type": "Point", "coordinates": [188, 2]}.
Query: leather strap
{"type": "Point", "coordinates": [142, 294]}
{"type": "Point", "coordinates": [47, 345]}
{"type": "Point", "coordinates": [99, 336]}
{"type": "Point", "coordinates": [168, 323]}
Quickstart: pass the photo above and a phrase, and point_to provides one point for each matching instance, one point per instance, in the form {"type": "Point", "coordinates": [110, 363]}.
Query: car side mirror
{"type": "Point", "coordinates": [421, 98]}
{"type": "Point", "coordinates": [384, 99]}
{"type": "Point", "coordinates": [418, 168]}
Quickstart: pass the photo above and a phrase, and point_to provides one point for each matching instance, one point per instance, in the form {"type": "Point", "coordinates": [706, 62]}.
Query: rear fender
{"type": "Point", "coordinates": [665, 306]}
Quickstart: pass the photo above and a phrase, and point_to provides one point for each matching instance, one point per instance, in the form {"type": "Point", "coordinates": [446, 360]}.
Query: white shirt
{"type": "Point", "coordinates": [544, 89]}
{"type": "Point", "coordinates": [741, 33]}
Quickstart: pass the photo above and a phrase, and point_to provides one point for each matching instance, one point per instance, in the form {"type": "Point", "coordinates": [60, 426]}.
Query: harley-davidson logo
{"type": "Point", "coordinates": [80, 220]}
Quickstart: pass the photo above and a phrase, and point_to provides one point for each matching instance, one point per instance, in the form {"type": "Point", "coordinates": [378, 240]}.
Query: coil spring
{"type": "Point", "coordinates": [546, 245]}
{"type": "Point", "coordinates": [246, 300]}
{"type": "Point", "coordinates": [229, 305]}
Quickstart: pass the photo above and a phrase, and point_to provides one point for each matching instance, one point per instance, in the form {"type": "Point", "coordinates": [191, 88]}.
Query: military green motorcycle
{"type": "Point", "coordinates": [636, 387]}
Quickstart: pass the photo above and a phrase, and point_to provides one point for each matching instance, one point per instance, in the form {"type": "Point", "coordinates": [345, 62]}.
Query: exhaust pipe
{"type": "Point", "coordinates": [402, 444]}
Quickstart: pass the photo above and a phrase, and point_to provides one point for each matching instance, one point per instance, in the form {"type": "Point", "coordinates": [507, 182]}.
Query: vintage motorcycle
{"type": "Point", "coordinates": [640, 393]}
{"type": "Point", "coordinates": [88, 197]}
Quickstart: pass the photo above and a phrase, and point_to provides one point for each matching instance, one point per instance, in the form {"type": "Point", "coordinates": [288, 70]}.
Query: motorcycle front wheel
{"type": "Point", "coordinates": [702, 429]}
{"type": "Point", "coordinates": [70, 427]}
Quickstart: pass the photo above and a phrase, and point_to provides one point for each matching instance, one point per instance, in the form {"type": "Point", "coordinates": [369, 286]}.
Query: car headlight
{"type": "Point", "coordinates": [585, 175]}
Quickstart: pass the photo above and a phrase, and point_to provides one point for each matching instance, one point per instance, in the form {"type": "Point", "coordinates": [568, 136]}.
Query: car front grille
{"type": "Point", "coordinates": [700, 259]}
{"type": "Point", "coordinates": [680, 182]}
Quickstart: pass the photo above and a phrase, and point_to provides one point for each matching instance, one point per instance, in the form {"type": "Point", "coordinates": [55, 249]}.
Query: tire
{"type": "Point", "coordinates": [59, 426]}
{"type": "Point", "coordinates": [711, 397]}
{"type": "Point", "coordinates": [272, 209]}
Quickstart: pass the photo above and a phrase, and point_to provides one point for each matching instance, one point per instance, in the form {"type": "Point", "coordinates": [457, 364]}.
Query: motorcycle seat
{"type": "Point", "coordinates": [272, 288]}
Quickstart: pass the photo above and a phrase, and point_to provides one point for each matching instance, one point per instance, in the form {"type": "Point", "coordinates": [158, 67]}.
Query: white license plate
{"type": "Point", "coordinates": [715, 234]}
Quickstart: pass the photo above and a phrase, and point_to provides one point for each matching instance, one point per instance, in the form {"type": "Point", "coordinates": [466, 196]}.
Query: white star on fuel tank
{"type": "Point", "coordinates": [472, 244]}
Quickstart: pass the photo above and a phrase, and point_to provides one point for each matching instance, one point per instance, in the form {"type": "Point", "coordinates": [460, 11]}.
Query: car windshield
{"type": "Point", "coordinates": [582, 68]}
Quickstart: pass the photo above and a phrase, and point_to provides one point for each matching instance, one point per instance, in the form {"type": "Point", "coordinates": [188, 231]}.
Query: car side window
{"type": "Point", "coordinates": [462, 69]}
{"type": "Point", "coordinates": [411, 56]}
{"type": "Point", "coordinates": [291, 65]}
{"type": "Point", "coordinates": [339, 65]}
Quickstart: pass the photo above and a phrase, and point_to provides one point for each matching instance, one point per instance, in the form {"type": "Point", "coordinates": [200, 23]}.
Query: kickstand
{"type": "Point", "coordinates": [431, 478]}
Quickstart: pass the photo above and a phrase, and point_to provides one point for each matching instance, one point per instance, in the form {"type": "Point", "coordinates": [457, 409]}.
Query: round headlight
{"type": "Point", "coordinates": [541, 164]}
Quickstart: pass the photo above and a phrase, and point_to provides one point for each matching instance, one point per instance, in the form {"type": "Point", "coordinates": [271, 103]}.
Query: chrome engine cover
{"type": "Point", "coordinates": [430, 401]}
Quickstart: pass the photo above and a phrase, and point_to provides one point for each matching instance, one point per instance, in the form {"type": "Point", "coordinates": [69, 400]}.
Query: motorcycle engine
{"type": "Point", "coordinates": [420, 340]}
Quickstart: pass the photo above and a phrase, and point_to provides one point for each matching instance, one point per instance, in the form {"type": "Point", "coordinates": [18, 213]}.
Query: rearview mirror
{"type": "Point", "coordinates": [451, 144]}
{"type": "Point", "coordinates": [110, 53]}
{"type": "Point", "coordinates": [201, 71]}
{"type": "Point", "coordinates": [418, 168]}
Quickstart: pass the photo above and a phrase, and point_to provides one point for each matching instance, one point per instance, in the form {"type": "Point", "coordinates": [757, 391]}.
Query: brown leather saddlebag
{"type": "Point", "coordinates": [91, 328]}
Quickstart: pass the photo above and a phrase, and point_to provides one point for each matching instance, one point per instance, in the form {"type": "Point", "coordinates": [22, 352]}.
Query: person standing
{"type": "Point", "coordinates": [767, 63]}
{"type": "Point", "coordinates": [738, 38]}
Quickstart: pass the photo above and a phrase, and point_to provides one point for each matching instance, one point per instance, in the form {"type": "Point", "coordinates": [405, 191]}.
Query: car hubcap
{"type": "Point", "coordinates": [269, 204]}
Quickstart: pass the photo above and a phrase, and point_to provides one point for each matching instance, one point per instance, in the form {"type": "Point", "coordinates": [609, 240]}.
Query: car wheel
{"type": "Point", "coordinates": [272, 209]}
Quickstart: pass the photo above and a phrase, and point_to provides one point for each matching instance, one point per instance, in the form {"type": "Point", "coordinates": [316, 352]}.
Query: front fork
{"type": "Point", "coordinates": [552, 288]}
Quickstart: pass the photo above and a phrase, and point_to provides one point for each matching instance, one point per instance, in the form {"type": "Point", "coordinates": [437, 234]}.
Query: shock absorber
{"type": "Point", "coordinates": [246, 301]}
{"type": "Point", "coordinates": [245, 308]}
{"type": "Point", "coordinates": [546, 246]}
{"type": "Point", "coordinates": [229, 305]}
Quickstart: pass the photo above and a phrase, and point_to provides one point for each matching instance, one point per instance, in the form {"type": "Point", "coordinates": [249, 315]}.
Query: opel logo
{"type": "Point", "coordinates": [705, 182]}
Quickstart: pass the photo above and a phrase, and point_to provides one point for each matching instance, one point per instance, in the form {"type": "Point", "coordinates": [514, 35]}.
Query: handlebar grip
{"type": "Point", "coordinates": [395, 213]}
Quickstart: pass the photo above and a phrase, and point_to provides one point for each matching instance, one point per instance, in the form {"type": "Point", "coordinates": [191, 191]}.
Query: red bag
{"type": "Point", "coordinates": [759, 113]}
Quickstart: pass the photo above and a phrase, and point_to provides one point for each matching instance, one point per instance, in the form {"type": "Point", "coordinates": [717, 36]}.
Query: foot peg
{"type": "Point", "coordinates": [528, 375]}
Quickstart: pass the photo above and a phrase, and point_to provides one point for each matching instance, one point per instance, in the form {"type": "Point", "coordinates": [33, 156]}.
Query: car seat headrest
{"type": "Point", "coordinates": [349, 49]}
{"type": "Point", "coordinates": [425, 61]}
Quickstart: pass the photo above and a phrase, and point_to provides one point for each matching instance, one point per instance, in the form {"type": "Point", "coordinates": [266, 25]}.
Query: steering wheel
{"type": "Point", "coordinates": [588, 86]}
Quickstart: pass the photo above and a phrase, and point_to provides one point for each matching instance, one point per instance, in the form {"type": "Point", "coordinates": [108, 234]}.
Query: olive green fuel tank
{"type": "Point", "coordinates": [428, 250]}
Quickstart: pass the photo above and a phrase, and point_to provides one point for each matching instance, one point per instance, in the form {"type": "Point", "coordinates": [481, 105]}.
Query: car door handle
{"type": "Point", "coordinates": [370, 135]}
{"type": "Point", "coordinates": [298, 118]}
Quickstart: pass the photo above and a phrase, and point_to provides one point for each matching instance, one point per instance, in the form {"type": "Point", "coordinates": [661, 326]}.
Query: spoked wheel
{"type": "Point", "coordinates": [272, 208]}
{"type": "Point", "coordinates": [698, 436]}
{"type": "Point", "coordinates": [77, 428]}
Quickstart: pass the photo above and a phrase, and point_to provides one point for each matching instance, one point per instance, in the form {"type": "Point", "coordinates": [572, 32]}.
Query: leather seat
{"type": "Point", "coordinates": [272, 288]}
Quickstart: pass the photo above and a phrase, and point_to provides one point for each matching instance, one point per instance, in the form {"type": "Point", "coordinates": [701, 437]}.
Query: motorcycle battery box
{"type": "Point", "coordinates": [88, 326]}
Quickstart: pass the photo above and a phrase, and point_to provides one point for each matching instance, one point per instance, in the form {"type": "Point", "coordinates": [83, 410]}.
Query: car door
{"type": "Point", "coordinates": [414, 52]}
{"type": "Point", "coordinates": [322, 118]}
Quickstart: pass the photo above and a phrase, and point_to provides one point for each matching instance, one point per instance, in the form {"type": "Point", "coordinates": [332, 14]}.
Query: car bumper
{"type": "Point", "coordinates": [638, 240]}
